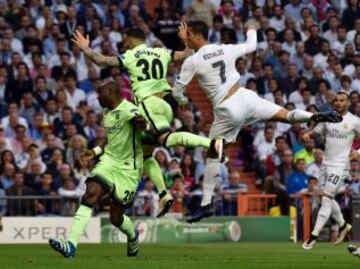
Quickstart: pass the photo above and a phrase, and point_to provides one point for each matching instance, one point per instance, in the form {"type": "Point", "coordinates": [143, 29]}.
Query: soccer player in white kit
{"type": "Point", "coordinates": [335, 167]}
{"type": "Point", "coordinates": [233, 106]}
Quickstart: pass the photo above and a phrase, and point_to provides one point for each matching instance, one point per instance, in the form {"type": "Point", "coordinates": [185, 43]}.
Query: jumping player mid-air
{"type": "Point", "coordinates": [117, 173]}
{"type": "Point", "coordinates": [335, 167]}
{"type": "Point", "coordinates": [233, 106]}
{"type": "Point", "coordinates": [147, 68]}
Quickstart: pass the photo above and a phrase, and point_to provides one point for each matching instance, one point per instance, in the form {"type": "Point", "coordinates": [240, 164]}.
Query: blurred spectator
{"type": "Point", "coordinates": [3, 202]}
{"type": "Point", "coordinates": [7, 174]}
{"type": "Point", "coordinates": [42, 94]}
{"type": "Point", "coordinates": [339, 44]}
{"type": "Point", "coordinates": [351, 14]}
{"type": "Point", "coordinates": [215, 31]}
{"type": "Point", "coordinates": [18, 86]}
{"type": "Point", "coordinates": [188, 170]}
{"type": "Point", "coordinates": [20, 206]}
{"type": "Point", "coordinates": [266, 147]}
{"type": "Point", "coordinates": [229, 193]}
{"type": "Point", "coordinates": [179, 192]}
{"type": "Point", "coordinates": [146, 203]}
{"type": "Point", "coordinates": [314, 168]}
{"type": "Point", "coordinates": [70, 197]}
{"type": "Point", "coordinates": [202, 10]}
{"type": "Point", "coordinates": [77, 144]}
{"type": "Point", "coordinates": [312, 44]}
{"type": "Point", "coordinates": [45, 206]}
{"type": "Point", "coordinates": [278, 20]}
{"type": "Point", "coordinates": [307, 153]}
{"type": "Point", "coordinates": [285, 168]}
{"type": "Point", "coordinates": [298, 180]}
{"type": "Point", "coordinates": [293, 9]}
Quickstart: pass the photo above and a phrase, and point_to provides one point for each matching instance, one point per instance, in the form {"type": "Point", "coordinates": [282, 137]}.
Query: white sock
{"type": "Point", "coordinates": [212, 172]}
{"type": "Point", "coordinates": [298, 115]}
{"type": "Point", "coordinates": [323, 215]}
{"type": "Point", "coordinates": [336, 213]}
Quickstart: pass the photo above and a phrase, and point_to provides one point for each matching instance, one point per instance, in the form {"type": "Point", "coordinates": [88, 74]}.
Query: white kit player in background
{"type": "Point", "coordinates": [233, 106]}
{"type": "Point", "coordinates": [335, 167]}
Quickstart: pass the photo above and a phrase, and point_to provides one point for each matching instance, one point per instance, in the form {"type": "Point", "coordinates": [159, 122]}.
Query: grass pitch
{"type": "Point", "coordinates": [229, 255]}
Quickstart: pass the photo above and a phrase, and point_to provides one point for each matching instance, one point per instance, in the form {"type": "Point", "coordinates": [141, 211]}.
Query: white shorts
{"type": "Point", "coordinates": [243, 108]}
{"type": "Point", "coordinates": [332, 178]}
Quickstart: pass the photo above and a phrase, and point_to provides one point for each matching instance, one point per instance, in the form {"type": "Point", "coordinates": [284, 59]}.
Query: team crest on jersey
{"type": "Point", "coordinates": [345, 125]}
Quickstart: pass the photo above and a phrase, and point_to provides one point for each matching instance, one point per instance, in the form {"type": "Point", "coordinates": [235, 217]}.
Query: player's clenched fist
{"type": "Point", "coordinates": [87, 155]}
{"type": "Point", "coordinates": [354, 155]}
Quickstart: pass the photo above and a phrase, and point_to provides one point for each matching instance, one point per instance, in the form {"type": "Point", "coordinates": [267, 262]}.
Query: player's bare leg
{"type": "Point", "coordinates": [124, 224]}
{"type": "Point", "coordinates": [152, 169]}
{"type": "Point", "coordinates": [298, 115]}
{"type": "Point", "coordinates": [328, 207]}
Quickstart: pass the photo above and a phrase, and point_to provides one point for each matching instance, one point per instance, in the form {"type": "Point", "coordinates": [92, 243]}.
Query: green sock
{"type": "Point", "coordinates": [127, 228]}
{"type": "Point", "coordinates": [81, 220]}
{"type": "Point", "coordinates": [187, 140]}
{"type": "Point", "coordinates": [152, 169]}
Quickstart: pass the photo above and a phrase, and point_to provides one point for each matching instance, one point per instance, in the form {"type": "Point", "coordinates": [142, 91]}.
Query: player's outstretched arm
{"type": "Point", "coordinates": [180, 56]}
{"type": "Point", "coordinates": [188, 70]}
{"type": "Point", "coordinates": [84, 44]}
{"type": "Point", "coordinates": [250, 43]}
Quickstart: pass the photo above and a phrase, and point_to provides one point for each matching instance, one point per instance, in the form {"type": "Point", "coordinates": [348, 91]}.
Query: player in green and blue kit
{"type": "Point", "coordinates": [147, 68]}
{"type": "Point", "coordinates": [117, 173]}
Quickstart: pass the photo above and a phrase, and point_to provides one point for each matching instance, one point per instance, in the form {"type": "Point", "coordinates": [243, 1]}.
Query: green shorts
{"type": "Point", "coordinates": [158, 112]}
{"type": "Point", "coordinates": [121, 183]}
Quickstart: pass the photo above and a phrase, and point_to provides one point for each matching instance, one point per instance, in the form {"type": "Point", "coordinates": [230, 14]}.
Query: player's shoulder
{"type": "Point", "coordinates": [351, 118]}
{"type": "Point", "coordinates": [127, 105]}
{"type": "Point", "coordinates": [161, 51]}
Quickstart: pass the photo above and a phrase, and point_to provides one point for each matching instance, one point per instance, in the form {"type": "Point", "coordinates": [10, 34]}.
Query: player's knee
{"type": "Point", "coordinates": [116, 219]}
{"type": "Point", "coordinates": [88, 201]}
{"type": "Point", "coordinates": [92, 195]}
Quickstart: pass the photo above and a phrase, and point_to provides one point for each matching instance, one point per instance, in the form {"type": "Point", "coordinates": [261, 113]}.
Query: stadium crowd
{"type": "Point", "coordinates": [307, 51]}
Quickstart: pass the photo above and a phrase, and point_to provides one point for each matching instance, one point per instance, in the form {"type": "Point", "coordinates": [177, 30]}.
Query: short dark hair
{"type": "Point", "coordinates": [280, 137]}
{"type": "Point", "coordinates": [343, 93]}
{"type": "Point", "coordinates": [40, 78]}
{"type": "Point", "coordinates": [20, 126]}
{"type": "Point", "coordinates": [111, 84]}
{"type": "Point", "coordinates": [135, 32]}
{"type": "Point", "coordinates": [324, 81]}
{"type": "Point", "coordinates": [199, 27]}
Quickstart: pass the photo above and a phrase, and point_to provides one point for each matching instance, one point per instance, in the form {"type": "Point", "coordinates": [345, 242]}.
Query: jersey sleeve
{"type": "Point", "coordinates": [167, 54]}
{"type": "Point", "coordinates": [124, 59]}
{"type": "Point", "coordinates": [187, 72]}
{"type": "Point", "coordinates": [133, 111]}
{"type": "Point", "coordinates": [239, 50]}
